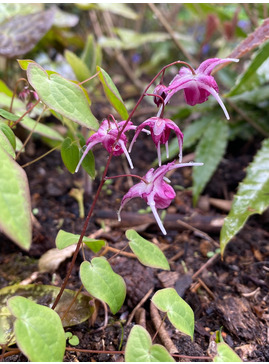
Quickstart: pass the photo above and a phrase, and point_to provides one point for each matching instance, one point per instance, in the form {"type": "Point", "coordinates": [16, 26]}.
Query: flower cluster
{"type": "Point", "coordinates": [153, 188]}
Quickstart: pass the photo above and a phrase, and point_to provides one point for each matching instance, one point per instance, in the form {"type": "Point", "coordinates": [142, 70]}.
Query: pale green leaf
{"type": "Point", "coordinates": [9, 134]}
{"type": "Point", "coordinates": [4, 89]}
{"type": "Point", "coordinates": [209, 151]}
{"type": "Point", "coordinates": [252, 196]}
{"type": "Point", "coordinates": [80, 69]}
{"type": "Point", "coordinates": [40, 128]}
{"type": "Point", "coordinates": [112, 93]}
{"type": "Point", "coordinates": [38, 330]}
{"type": "Point", "coordinates": [225, 354]}
{"type": "Point", "coordinates": [119, 9]}
{"type": "Point", "coordinates": [103, 283]}
{"type": "Point", "coordinates": [146, 252]}
{"type": "Point", "coordinates": [178, 311]}
{"type": "Point", "coordinates": [65, 97]}
{"type": "Point", "coordinates": [15, 203]}
{"type": "Point", "coordinates": [79, 312]}
{"type": "Point", "coordinates": [255, 75]}
{"type": "Point", "coordinates": [65, 239]}
{"type": "Point", "coordinates": [5, 143]}
{"type": "Point", "coordinates": [139, 348]}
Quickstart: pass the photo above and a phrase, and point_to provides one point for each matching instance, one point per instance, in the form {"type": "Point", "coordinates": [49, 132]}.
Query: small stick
{"type": "Point", "coordinates": [143, 300]}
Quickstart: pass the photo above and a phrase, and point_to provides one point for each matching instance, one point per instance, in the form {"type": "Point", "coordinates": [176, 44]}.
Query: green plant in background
{"type": "Point", "coordinates": [71, 102]}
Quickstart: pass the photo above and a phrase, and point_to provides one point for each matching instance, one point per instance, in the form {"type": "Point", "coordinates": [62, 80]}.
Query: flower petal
{"type": "Point", "coordinates": [207, 66]}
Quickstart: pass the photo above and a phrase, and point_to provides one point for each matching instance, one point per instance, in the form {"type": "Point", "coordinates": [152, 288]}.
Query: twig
{"type": "Point", "coordinates": [139, 305]}
{"type": "Point", "coordinates": [158, 323]}
{"type": "Point", "coordinates": [105, 320]}
{"type": "Point", "coordinates": [206, 265]}
{"type": "Point", "coordinates": [71, 304]}
{"type": "Point", "coordinates": [208, 290]}
{"type": "Point", "coordinates": [42, 156]}
{"type": "Point", "coordinates": [168, 28]}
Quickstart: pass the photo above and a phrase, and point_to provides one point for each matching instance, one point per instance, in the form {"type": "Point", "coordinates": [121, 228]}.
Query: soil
{"type": "Point", "coordinates": [229, 294]}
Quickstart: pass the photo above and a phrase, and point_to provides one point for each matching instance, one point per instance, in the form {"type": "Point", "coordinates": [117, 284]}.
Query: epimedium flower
{"type": "Point", "coordinates": [160, 130]}
{"type": "Point", "coordinates": [198, 85]}
{"type": "Point", "coordinates": [107, 134]}
{"type": "Point", "coordinates": [154, 189]}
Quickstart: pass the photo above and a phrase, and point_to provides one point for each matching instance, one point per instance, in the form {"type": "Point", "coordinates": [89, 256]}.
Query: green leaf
{"type": "Point", "coordinates": [225, 354]}
{"type": "Point", "coordinates": [65, 97]}
{"type": "Point", "coordinates": [5, 143]}
{"type": "Point", "coordinates": [24, 63]}
{"type": "Point", "coordinates": [20, 33]}
{"type": "Point", "coordinates": [178, 311]}
{"type": "Point", "coordinates": [252, 196]}
{"type": "Point", "coordinates": [112, 93]}
{"type": "Point", "coordinates": [139, 348]}
{"type": "Point", "coordinates": [255, 75]}
{"type": "Point", "coordinates": [119, 9]}
{"type": "Point", "coordinates": [15, 202]}
{"type": "Point", "coordinates": [147, 253]}
{"type": "Point", "coordinates": [89, 54]}
{"type": "Point", "coordinates": [4, 89]}
{"type": "Point", "coordinates": [210, 151]}
{"type": "Point", "coordinates": [88, 163]}
{"type": "Point", "coordinates": [70, 154]}
{"type": "Point", "coordinates": [80, 69]}
{"type": "Point", "coordinates": [79, 312]}
{"type": "Point", "coordinates": [38, 330]}
{"type": "Point", "coordinates": [103, 283]}
{"type": "Point", "coordinates": [65, 239]}
{"type": "Point", "coordinates": [8, 115]}
{"type": "Point", "coordinates": [9, 134]}
{"type": "Point", "coordinates": [41, 129]}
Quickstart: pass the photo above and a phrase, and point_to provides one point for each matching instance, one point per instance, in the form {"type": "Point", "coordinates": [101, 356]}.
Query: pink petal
{"type": "Point", "coordinates": [207, 66]}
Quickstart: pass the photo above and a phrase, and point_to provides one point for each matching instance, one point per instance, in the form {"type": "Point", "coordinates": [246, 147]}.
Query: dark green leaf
{"type": "Point", "coordinates": [252, 196]}
{"type": "Point", "coordinates": [70, 154]}
{"type": "Point", "coordinates": [65, 239]}
{"type": "Point", "coordinates": [209, 151]}
{"type": "Point", "coordinates": [9, 134]}
{"type": "Point", "coordinates": [88, 163]}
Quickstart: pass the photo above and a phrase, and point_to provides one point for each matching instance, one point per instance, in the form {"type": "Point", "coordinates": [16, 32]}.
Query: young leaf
{"type": "Point", "coordinates": [65, 239]}
{"type": "Point", "coordinates": [139, 348]}
{"type": "Point", "coordinates": [9, 134]}
{"type": "Point", "coordinates": [178, 311]}
{"type": "Point", "coordinates": [112, 93]}
{"type": "Point", "coordinates": [5, 143]}
{"type": "Point", "coordinates": [210, 150]}
{"type": "Point", "coordinates": [38, 330]}
{"type": "Point", "coordinates": [8, 115]}
{"type": "Point", "coordinates": [147, 253]}
{"type": "Point", "coordinates": [88, 163]}
{"type": "Point", "coordinates": [70, 154]}
{"type": "Point", "coordinates": [252, 196]}
{"type": "Point", "coordinates": [89, 54]}
{"type": "Point", "coordinates": [79, 312]}
{"type": "Point", "coordinates": [62, 95]}
{"type": "Point", "coordinates": [15, 202]}
{"type": "Point", "coordinates": [225, 354]}
{"type": "Point", "coordinates": [103, 283]}
{"type": "Point", "coordinates": [80, 69]}
{"type": "Point", "coordinates": [251, 78]}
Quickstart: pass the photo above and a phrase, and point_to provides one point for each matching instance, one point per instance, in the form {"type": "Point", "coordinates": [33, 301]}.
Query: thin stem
{"type": "Point", "coordinates": [15, 92]}
{"type": "Point", "coordinates": [27, 112]}
{"type": "Point", "coordinates": [90, 78]}
{"type": "Point", "coordinates": [162, 106]}
{"type": "Point", "coordinates": [71, 304]}
{"type": "Point", "coordinates": [127, 175]}
{"type": "Point", "coordinates": [42, 156]}
{"type": "Point", "coordinates": [31, 133]}
{"type": "Point", "coordinates": [156, 333]}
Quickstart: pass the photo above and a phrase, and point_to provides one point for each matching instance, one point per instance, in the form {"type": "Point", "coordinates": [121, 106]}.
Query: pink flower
{"type": "Point", "coordinates": [197, 87]}
{"type": "Point", "coordinates": [107, 135]}
{"type": "Point", "coordinates": [159, 90]}
{"type": "Point", "coordinates": [160, 130]}
{"type": "Point", "coordinates": [154, 190]}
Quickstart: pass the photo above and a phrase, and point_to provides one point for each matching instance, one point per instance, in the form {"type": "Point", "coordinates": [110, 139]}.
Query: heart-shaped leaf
{"type": "Point", "coordinates": [38, 330]}
{"type": "Point", "coordinates": [80, 69]}
{"type": "Point", "coordinates": [88, 163]}
{"type": "Point", "coordinates": [9, 134]}
{"type": "Point", "coordinates": [80, 310]}
{"type": "Point", "coordinates": [20, 33]}
{"type": "Point", "coordinates": [139, 348]}
{"type": "Point", "coordinates": [112, 93]}
{"type": "Point", "coordinates": [103, 283]}
{"type": "Point", "coordinates": [41, 129]}
{"type": "Point", "coordinates": [70, 154]}
{"type": "Point", "coordinates": [62, 95]}
{"type": "Point", "coordinates": [15, 203]}
{"type": "Point", "coordinates": [225, 354]}
{"type": "Point", "coordinates": [5, 143]}
{"type": "Point", "coordinates": [147, 253]}
{"type": "Point", "coordinates": [65, 239]}
{"type": "Point", "coordinates": [178, 311]}
{"type": "Point", "coordinates": [252, 196]}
